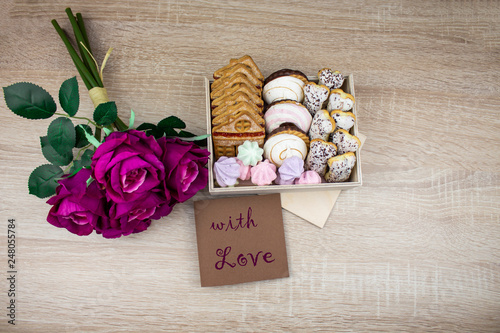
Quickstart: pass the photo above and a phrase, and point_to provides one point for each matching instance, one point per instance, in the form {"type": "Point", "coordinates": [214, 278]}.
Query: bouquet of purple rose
{"type": "Point", "coordinates": [118, 184]}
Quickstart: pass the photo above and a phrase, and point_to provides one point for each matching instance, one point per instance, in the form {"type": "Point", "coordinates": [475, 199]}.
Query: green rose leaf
{"type": "Point", "coordinates": [131, 120]}
{"type": "Point", "coordinates": [69, 97]}
{"type": "Point", "coordinates": [52, 155]}
{"type": "Point", "coordinates": [29, 100]}
{"type": "Point", "coordinates": [105, 114]}
{"type": "Point", "coordinates": [43, 180]}
{"type": "Point", "coordinates": [61, 135]}
{"type": "Point", "coordinates": [171, 122]}
{"type": "Point", "coordinates": [91, 139]}
{"type": "Point", "coordinates": [81, 139]}
{"type": "Point", "coordinates": [170, 132]}
{"type": "Point", "coordinates": [83, 162]}
{"type": "Point", "coordinates": [200, 140]}
{"type": "Point", "coordinates": [151, 129]}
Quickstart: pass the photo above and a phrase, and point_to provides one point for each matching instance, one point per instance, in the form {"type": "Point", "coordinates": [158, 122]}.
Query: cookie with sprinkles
{"type": "Point", "coordinates": [319, 153]}
{"type": "Point", "coordinates": [314, 96]}
{"type": "Point", "coordinates": [345, 141]}
{"type": "Point", "coordinates": [340, 167]}
{"type": "Point", "coordinates": [330, 78]}
{"type": "Point", "coordinates": [322, 126]}
{"type": "Point", "coordinates": [343, 120]}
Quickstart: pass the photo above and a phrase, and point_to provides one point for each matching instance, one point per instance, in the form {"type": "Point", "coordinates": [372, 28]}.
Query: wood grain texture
{"type": "Point", "coordinates": [415, 249]}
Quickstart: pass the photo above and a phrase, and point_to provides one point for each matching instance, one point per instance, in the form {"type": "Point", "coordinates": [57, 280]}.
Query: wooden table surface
{"type": "Point", "coordinates": [416, 248]}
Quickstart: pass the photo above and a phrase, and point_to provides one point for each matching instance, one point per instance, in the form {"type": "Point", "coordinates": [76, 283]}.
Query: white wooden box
{"type": "Point", "coordinates": [246, 187]}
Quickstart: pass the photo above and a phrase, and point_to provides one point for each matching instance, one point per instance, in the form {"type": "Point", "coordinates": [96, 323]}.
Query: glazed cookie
{"type": "Point", "coordinates": [314, 96]}
{"type": "Point", "coordinates": [345, 141]}
{"type": "Point", "coordinates": [243, 69]}
{"type": "Point", "coordinates": [239, 87]}
{"type": "Point", "coordinates": [284, 84]}
{"type": "Point", "coordinates": [340, 100]}
{"type": "Point", "coordinates": [343, 120]}
{"type": "Point", "coordinates": [280, 146]}
{"type": "Point", "coordinates": [319, 153]}
{"type": "Point", "coordinates": [287, 112]}
{"type": "Point", "coordinates": [331, 79]}
{"type": "Point", "coordinates": [340, 167]}
{"type": "Point", "coordinates": [322, 126]}
{"type": "Point", "coordinates": [289, 128]}
{"type": "Point", "coordinates": [230, 81]}
{"type": "Point", "coordinates": [234, 109]}
{"type": "Point", "coordinates": [246, 60]}
{"type": "Point", "coordinates": [236, 98]}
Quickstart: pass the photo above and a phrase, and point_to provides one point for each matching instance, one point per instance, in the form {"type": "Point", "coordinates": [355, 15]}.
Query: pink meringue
{"type": "Point", "coordinates": [227, 171]}
{"type": "Point", "coordinates": [309, 177]}
{"type": "Point", "coordinates": [244, 170]}
{"type": "Point", "coordinates": [263, 173]}
{"type": "Point", "coordinates": [291, 169]}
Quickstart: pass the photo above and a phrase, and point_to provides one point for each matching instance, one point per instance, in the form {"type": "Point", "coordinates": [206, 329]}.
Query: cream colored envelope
{"type": "Point", "coordinates": [314, 207]}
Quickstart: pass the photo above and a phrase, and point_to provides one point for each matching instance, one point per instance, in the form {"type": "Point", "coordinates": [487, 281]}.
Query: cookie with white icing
{"type": "Point", "coordinates": [287, 111]}
{"type": "Point", "coordinates": [340, 100]}
{"type": "Point", "coordinates": [322, 126]}
{"type": "Point", "coordinates": [284, 84]}
{"type": "Point", "coordinates": [319, 153]}
{"type": "Point", "coordinates": [343, 120]}
{"type": "Point", "coordinates": [330, 78]}
{"type": "Point", "coordinates": [345, 141]}
{"type": "Point", "coordinates": [290, 128]}
{"type": "Point", "coordinates": [340, 167]}
{"type": "Point", "coordinates": [314, 96]}
{"type": "Point", "coordinates": [283, 145]}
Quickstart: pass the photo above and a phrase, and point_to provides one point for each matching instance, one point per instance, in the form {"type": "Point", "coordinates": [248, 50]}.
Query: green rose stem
{"type": "Point", "coordinates": [81, 25]}
{"type": "Point", "coordinates": [82, 70]}
{"type": "Point", "coordinates": [85, 55]}
{"type": "Point", "coordinates": [87, 68]}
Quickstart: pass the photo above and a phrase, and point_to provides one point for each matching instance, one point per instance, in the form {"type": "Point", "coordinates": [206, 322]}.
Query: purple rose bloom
{"type": "Point", "coordinates": [185, 169]}
{"type": "Point", "coordinates": [77, 207]}
{"type": "Point", "coordinates": [127, 164]}
{"type": "Point", "coordinates": [130, 217]}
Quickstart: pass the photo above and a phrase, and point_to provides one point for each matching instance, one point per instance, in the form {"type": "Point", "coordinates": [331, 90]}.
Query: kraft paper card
{"type": "Point", "coordinates": [240, 239]}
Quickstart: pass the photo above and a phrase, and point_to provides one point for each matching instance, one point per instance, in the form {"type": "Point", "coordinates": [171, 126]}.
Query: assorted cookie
{"type": "Point", "coordinates": [331, 79]}
{"type": "Point", "coordinates": [283, 129]}
{"type": "Point", "coordinates": [340, 100]}
{"type": "Point", "coordinates": [343, 120]}
{"type": "Point", "coordinates": [322, 126]}
{"type": "Point", "coordinates": [280, 146]}
{"type": "Point", "coordinates": [237, 106]}
{"type": "Point", "coordinates": [345, 141]}
{"type": "Point", "coordinates": [287, 111]}
{"type": "Point", "coordinates": [284, 84]}
{"type": "Point", "coordinates": [319, 154]}
{"type": "Point", "coordinates": [340, 167]}
{"type": "Point", "coordinates": [315, 96]}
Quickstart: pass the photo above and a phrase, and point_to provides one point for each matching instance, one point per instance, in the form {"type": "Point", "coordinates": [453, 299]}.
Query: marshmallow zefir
{"type": "Point", "coordinates": [287, 111]}
{"type": "Point", "coordinates": [284, 84]}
